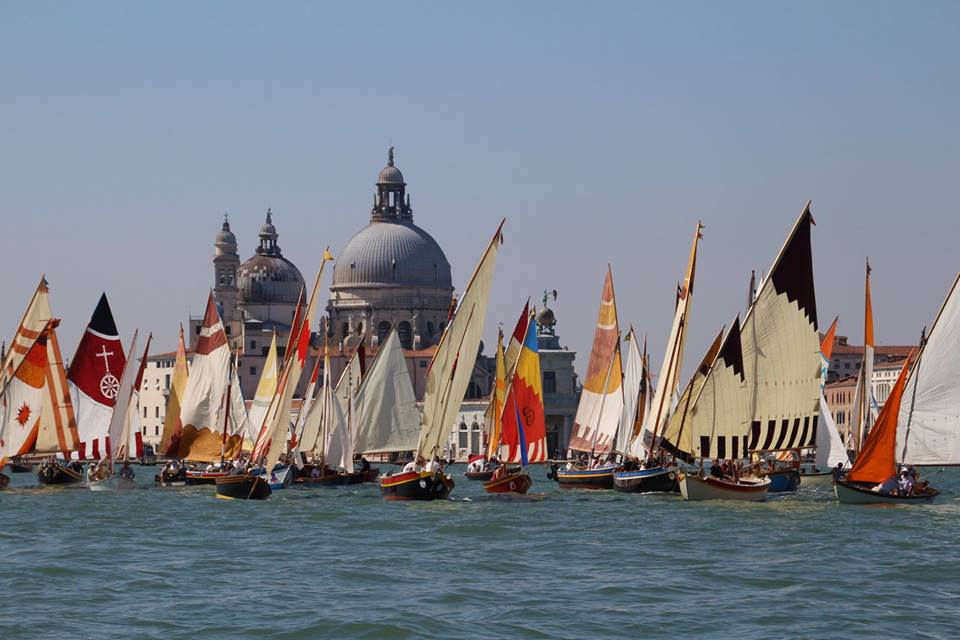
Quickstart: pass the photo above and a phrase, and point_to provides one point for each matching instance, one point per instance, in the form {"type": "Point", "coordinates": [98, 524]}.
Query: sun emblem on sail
{"type": "Point", "coordinates": [23, 415]}
{"type": "Point", "coordinates": [109, 386]}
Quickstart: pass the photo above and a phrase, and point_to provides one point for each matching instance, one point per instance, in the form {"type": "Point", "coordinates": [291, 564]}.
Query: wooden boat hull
{"type": "Point", "coordinates": [20, 467]}
{"type": "Point", "coordinates": [695, 489]}
{"type": "Point", "coordinates": [335, 480]}
{"type": "Point", "coordinates": [113, 483]}
{"type": "Point", "coordinates": [370, 475]}
{"type": "Point", "coordinates": [194, 478]}
{"type": "Point", "coordinates": [860, 493]}
{"type": "Point", "coordinates": [655, 480]}
{"type": "Point", "coordinates": [246, 487]}
{"type": "Point", "coordinates": [585, 478]}
{"type": "Point", "coordinates": [165, 479]}
{"type": "Point", "coordinates": [516, 482]}
{"type": "Point", "coordinates": [57, 474]}
{"type": "Point", "coordinates": [484, 476]}
{"type": "Point", "coordinates": [4, 481]}
{"type": "Point", "coordinates": [784, 480]}
{"type": "Point", "coordinates": [816, 480]}
{"type": "Point", "coordinates": [416, 485]}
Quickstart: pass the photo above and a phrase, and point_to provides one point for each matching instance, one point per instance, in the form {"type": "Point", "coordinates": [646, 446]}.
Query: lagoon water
{"type": "Point", "coordinates": [343, 563]}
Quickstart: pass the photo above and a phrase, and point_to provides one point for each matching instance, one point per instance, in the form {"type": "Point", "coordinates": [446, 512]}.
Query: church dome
{"type": "Point", "coordinates": [390, 174]}
{"type": "Point", "coordinates": [392, 253]}
{"type": "Point", "coordinates": [226, 242]}
{"type": "Point", "coordinates": [268, 277]}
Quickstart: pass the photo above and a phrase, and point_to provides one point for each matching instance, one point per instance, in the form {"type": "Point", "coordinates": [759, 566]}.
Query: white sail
{"type": "Point", "coordinates": [632, 384]}
{"type": "Point", "coordinates": [387, 419]}
{"type": "Point", "coordinates": [120, 421]}
{"type": "Point", "coordinates": [929, 430]}
{"type": "Point", "coordinates": [452, 364]}
{"type": "Point", "coordinates": [312, 440]}
{"type": "Point", "coordinates": [830, 449]}
{"type": "Point", "coordinates": [340, 447]}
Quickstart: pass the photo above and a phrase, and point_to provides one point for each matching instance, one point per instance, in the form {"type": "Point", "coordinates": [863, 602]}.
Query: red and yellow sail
{"type": "Point", "coordinates": [524, 427]}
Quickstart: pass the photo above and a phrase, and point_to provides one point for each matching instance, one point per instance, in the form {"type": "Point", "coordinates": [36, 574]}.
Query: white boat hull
{"type": "Point", "coordinates": [816, 480]}
{"type": "Point", "coordinates": [847, 494]}
{"type": "Point", "coordinates": [696, 489]}
{"type": "Point", "coordinates": [113, 483]}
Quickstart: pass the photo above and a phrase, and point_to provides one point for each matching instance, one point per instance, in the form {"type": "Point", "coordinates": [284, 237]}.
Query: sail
{"type": "Point", "coordinates": [93, 380]}
{"type": "Point", "coordinates": [781, 350]}
{"type": "Point", "coordinates": [633, 385]}
{"type": "Point", "coordinates": [492, 417]}
{"type": "Point", "coordinates": [33, 322]}
{"type": "Point", "coordinates": [172, 427]}
{"type": "Point", "coordinates": [311, 439]}
{"type": "Point", "coordinates": [202, 438]}
{"type": "Point", "coordinates": [387, 419]}
{"type": "Point", "coordinates": [452, 365]}
{"type": "Point", "coordinates": [863, 409]}
{"type": "Point", "coordinates": [677, 436]}
{"type": "Point", "coordinates": [516, 340]}
{"type": "Point", "coordinates": [266, 389]}
{"type": "Point", "coordinates": [601, 401]}
{"type": "Point", "coordinates": [120, 420]}
{"type": "Point", "coordinates": [877, 458]}
{"type": "Point", "coordinates": [669, 378]}
{"type": "Point", "coordinates": [22, 400]}
{"type": "Point", "coordinates": [308, 397]}
{"type": "Point", "coordinates": [239, 424]}
{"type": "Point", "coordinates": [930, 414]}
{"type": "Point", "coordinates": [524, 431]}
{"type": "Point", "coordinates": [830, 449]}
{"type": "Point", "coordinates": [339, 452]}
{"type": "Point", "coordinates": [134, 437]}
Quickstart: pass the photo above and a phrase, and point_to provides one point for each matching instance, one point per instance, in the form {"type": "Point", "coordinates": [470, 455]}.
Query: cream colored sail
{"type": "Point", "coordinates": [452, 365]}
{"type": "Point", "coordinates": [387, 419]}
{"type": "Point", "coordinates": [312, 438]}
{"type": "Point", "coordinates": [33, 322]}
{"type": "Point", "coordinates": [266, 389]}
{"type": "Point", "coordinates": [632, 385]}
{"type": "Point", "coordinates": [929, 432]}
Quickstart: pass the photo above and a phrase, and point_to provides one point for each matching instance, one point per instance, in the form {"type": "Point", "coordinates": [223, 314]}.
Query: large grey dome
{"type": "Point", "coordinates": [393, 253]}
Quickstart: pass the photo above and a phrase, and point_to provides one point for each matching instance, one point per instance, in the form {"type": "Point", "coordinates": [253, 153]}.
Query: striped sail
{"type": "Point", "coordinates": [601, 401]}
{"type": "Point", "coordinates": [930, 414]}
{"type": "Point", "coordinates": [452, 365]}
{"type": "Point", "coordinates": [524, 433]}
{"type": "Point", "coordinates": [494, 413]}
{"type": "Point", "coordinates": [33, 322]}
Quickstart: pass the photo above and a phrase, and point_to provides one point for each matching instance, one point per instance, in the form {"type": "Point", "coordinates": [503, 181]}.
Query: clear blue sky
{"type": "Point", "coordinates": [602, 131]}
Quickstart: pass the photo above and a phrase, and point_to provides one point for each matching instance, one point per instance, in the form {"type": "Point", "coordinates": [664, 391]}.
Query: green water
{"type": "Point", "coordinates": [343, 563]}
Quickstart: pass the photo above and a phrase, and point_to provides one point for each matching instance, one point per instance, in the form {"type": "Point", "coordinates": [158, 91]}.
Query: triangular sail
{"type": "Point", "coordinates": [493, 416]}
{"type": "Point", "coordinates": [34, 321]}
{"type": "Point", "coordinates": [877, 459]}
{"type": "Point", "coordinates": [452, 365]}
{"type": "Point", "coordinates": [266, 389]}
{"type": "Point", "coordinates": [524, 432]}
{"type": "Point", "coordinates": [512, 351]}
{"type": "Point", "coordinates": [633, 386]}
{"type": "Point", "coordinates": [172, 427]}
{"type": "Point", "coordinates": [830, 449]}
{"type": "Point", "coordinates": [94, 380]}
{"type": "Point", "coordinates": [22, 401]}
{"type": "Point", "coordinates": [386, 418]}
{"type": "Point", "coordinates": [601, 401]}
{"type": "Point", "coordinates": [930, 414]}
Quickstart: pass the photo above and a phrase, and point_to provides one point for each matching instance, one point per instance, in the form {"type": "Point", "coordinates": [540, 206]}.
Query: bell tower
{"type": "Point", "coordinates": [226, 263]}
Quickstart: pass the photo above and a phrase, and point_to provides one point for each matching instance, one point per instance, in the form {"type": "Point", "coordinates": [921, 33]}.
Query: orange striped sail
{"type": "Point", "coordinates": [601, 402]}
{"type": "Point", "coordinates": [877, 459]}
{"type": "Point", "coordinates": [524, 426]}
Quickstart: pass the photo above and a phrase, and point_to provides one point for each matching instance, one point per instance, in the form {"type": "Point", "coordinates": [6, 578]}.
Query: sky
{"type": "Point", "coordinates": [601, 131]}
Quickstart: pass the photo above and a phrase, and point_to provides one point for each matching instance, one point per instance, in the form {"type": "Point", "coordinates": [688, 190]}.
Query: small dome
{"type": "Point", "coordinates": [226, 242]}
{"type": "Point", "coordinates": [269, 279]}
{"type": "Point", "coordinates": [267, 230]}
{"type": "Point", "coordinates": [390, 175]}
{"type": "Point", "coordinates": [392, 253]}
{"type": "Point", "coordinates": [546, 317]}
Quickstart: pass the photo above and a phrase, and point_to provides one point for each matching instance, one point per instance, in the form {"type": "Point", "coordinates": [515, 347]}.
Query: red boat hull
{"type": "Point", "coordinates": [517, 482]}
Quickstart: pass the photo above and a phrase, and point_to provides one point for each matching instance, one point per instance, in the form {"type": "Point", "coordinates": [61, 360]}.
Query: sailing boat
{"type": "Point", "coordinates": [125, 413]}
{"type": "Point", "coordinates": [55, 429]}
{"type": "Point", "coordinates": [446, 384]}
{"type": "Point", "coordinates": [173, 473]}
{"type": "Point", "coordinates": [523, 429]}
{"type": "Point", "coordinates": [657, 476]}
{"type": "Point", "coordinates": [601, 402]}
{"type": "Point", "coordinates": [862, 416]}
{"type": "Point", "coordinates": [33, 416]}
{"type": "Point", "coordinates": [761, 393]}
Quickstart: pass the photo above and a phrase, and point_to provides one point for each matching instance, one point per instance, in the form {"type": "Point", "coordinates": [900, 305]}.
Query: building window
{"type": "Point", "coordinates": [474, 437]}
{"type": "Point", "coordinates": [228, 328]}
{"type": "Point", "coordinates": [346, 329]}
{"type": "Point", "coordinates": [253, 371]}
{"type": "Point", "coordinates": [156, 430]}
{"type": "Point", "coordinates": [405, 334]}
{"type": "Point", "coordinates": [549, 381]}
{"type": "Point", "coordinates": [166, 382]}
{"type": "Point", "coordinates": [429, 328]}
{"type": "Point", "coordinates": [382, 330]}
{"type": "Point", "coordinates": [423, 364]}
{"type": "Point", "coordinates": [156, 411]}
{"type": "Point", "coordinates": [144, 412]}
{"type": "Point", "coordinates": [463, 435]}
{"type": "Point", "coordinates": [144, 431]}
{"type": "Point", "coordinates": [253, 344]}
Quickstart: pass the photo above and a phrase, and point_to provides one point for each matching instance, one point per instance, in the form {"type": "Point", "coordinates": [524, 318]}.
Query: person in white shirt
{"type": "Point", "coordinates": [434, 466]}
{"type": "Point", "coordinates": [410, 466]}
{"type": "Point", "coordinates": [476, 466]}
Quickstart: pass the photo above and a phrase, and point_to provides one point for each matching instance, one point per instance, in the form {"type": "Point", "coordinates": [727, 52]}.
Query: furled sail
{"type": "Point", "coordinates": [387, 419]}
{"type": "Point", "coordinates": [862, 410]}
{"type": "Point", "coordinates": [202, 437]}
{"type": "Point", "coordinates": [452, 365]}
{"type": "Point", "coordinates": [781, 350]}
{"type": "Point", "coordinates": [930, 415]}
{"type": "Point", "coordinates": [524, 431]}
{"type": "Point", "coordinates": [172, 427]}
{"type": "Point", "coordinates": [601, 401]}
{"type": "Point", "coordinates": [94, 380]}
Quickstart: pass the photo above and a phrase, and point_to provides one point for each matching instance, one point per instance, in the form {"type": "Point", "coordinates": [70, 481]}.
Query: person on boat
{"type": "Point", "coordinates": [364, 464]}
{"type": "Point", "coordinates": [126, 471]}
{"type": "Point", "coordinates": [91, 472]}
{"type": "Point", "coordinates": [499, 472]}
{"type": "Point", "coordinates": [906, 484]}
{"type": "Point", "coordinates": [315, 471]}
{"type": "Point", "coordinates": [838, 471]}
{"type": "Point", "coordinates": [476, 466]}
{"type": "Point", "coordinates": [716, 470]}
{"type": "Point", "coordinates": [434, 466]}
{"type": "Point", "coordinates": [412, 464]}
